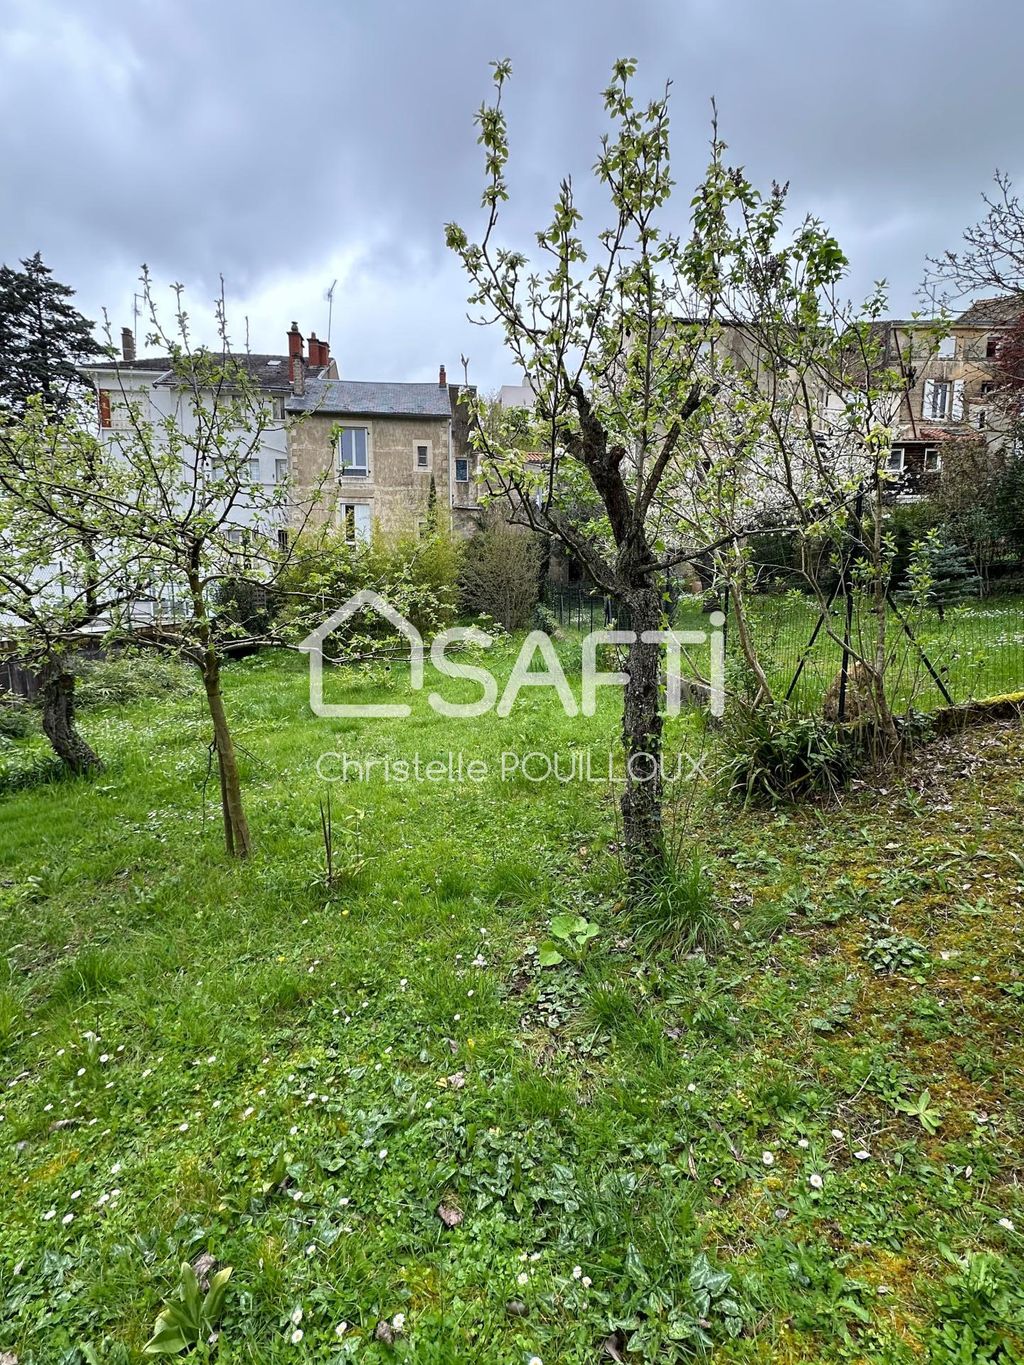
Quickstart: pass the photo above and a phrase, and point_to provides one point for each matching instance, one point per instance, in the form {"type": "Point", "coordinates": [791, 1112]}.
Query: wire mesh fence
{"type": "Point", "coordinates": [967, 652]}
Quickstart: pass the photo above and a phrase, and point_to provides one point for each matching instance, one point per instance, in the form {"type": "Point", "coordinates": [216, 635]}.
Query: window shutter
{"type": "Point", "coordinates": [928, 402]}
{"type": "Point", "coordinates": [957, 413]}
{"type": "Point", "coordinates": [104, 407]}
{"type": "Point", "coordinates": [363, 521]}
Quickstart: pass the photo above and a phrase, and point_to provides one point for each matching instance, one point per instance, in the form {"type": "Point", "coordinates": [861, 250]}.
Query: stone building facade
{"type": "Point", "coordinates": [949, 389]}
{"type": "Point", "coordinates": [383, 447]}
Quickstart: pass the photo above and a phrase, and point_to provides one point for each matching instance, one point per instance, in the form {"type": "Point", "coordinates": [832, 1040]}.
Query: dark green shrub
{"type": "Point", "coordinates": [246, 607]}
{"type": "Point", "coordinates": [773, 754]}
{"type": "Point", "coordinates": [907, 524]}
{"type": "Point", "coordinates": [15, 719]}
{"type": "Point", "coordinates": [501, 573]}
{"type": "Point", "coordinates": [24, 766]}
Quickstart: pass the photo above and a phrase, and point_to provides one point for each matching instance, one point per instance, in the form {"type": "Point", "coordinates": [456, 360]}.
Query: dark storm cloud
{"type": "Point", "coordinates": [287, 145]}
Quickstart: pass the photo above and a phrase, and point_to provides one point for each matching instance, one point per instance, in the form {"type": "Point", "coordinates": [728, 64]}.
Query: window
{"type": "Point", "coordinates": [282, 539]}
{"type": "Point", "coordinates": [981, 419]}
{"type": "Point", "coordinates": [422, 454]}
{"type": "Point", "coordinates": [462, 471]}
{"type": "Point", "coordinates": [234, 537]}
{"type": "Point", "coordinates": [947, 348]}
{"type": "Point", "coordinates": [895, 461]}
{"type": "Point", "coordinates": [936, 398]}
{"type": "Point", "coordinates": [254, 470]}
{"type": "Point", "coordinates": [120, 411]}
{"type": "Point", "coordinates": [356, 520]}
{"type": "Point", "coordinates": [991, 348]}
{"type": "Point", "coordinates": [932, 460]}
{"type": "Point", "coordinates": [277, 409]}
{"type": "Point", "coordinates": [281, 469]}
{"type": "Point", "coordinates": [943, 400]}
{"type": "Point", "coordinates": [987, 386]}
{"type": "Point", "coordinates": [353, 452]}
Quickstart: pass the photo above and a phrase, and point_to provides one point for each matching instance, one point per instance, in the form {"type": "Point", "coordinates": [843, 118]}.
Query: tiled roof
{"type": "Point", "coordinates": [356, 398]}
{"type": "Point", "coordinates": [269, 371]}
{"type": "Point", "coordinates": [1000, 312]}
{"type": "Point", "coordinates": [150, 363]}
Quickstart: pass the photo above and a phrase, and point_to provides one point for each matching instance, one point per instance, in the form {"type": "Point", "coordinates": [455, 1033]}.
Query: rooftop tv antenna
{"type": "Point", "coordinates": [329, 296]}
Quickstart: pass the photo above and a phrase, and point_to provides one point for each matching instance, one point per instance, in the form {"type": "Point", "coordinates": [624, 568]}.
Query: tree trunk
{"type": "Point", "coordinates": [236, 827]}
{"type": "Point", "coordinates": [641, 735]}
{"type": "Point", "coordinates": [763, 695]}
{"type": "Point", "coordinates": [57, 690]}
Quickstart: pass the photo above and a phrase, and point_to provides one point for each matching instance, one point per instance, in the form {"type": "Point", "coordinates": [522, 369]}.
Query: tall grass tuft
{"type": "Point", "coordinates": [679, 911]}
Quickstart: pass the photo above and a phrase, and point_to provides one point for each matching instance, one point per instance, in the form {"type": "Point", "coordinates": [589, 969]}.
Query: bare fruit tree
{"type": "Point", "coordinates": [206, 522]}
{"type": "Point", "coordinates": [207, 538]}
{"type": "Point", "coordinates": [618, 331]}
{"type": "Point", "coordinates": [62, 583]}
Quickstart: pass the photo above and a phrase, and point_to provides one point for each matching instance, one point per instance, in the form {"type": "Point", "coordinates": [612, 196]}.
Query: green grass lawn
{"type": "Point", "coordinates": [637, 1154]}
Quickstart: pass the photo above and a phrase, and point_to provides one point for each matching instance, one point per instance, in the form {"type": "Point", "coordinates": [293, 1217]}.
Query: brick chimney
{"type": "Point", "coordinates": [127, 345]}
{"type": "Point", "coordinates": [294, 350]}
{"type": "Point", "coordinates": [442, 379]}
{"type": "Point", "coordinates": [297, 374]}
{"type": "Point", "coordinates": [318, 352]}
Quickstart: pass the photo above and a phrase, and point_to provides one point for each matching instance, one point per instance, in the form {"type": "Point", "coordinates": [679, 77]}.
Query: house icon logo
{"type": "Point", "coordinates": [313, 645]}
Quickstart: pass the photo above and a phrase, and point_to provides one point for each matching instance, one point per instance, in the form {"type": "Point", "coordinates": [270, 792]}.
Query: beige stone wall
{"type": "Point", "coordinates": [967, 365]}
{"type": "Point", "coordinates": [395, 489]}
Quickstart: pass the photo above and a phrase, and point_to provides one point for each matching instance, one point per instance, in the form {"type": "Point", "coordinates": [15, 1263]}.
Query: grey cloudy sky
{"type": "Point", "coordinates": [286, 145]}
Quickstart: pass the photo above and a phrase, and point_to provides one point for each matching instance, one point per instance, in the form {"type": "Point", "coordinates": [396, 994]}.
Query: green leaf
{"type": "Point", "coordinates": [548, 955]}
{"type": "Point", "coordinates": [215, 1297]}
{"type": "Point", "coordinates": [167, 1338]}
{"type": "Point", "coordinates": [564, 926]}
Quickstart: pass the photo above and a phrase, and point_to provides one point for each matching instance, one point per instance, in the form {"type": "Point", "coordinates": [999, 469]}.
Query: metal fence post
{"type": "Point", "coordinates": [844, 673]}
